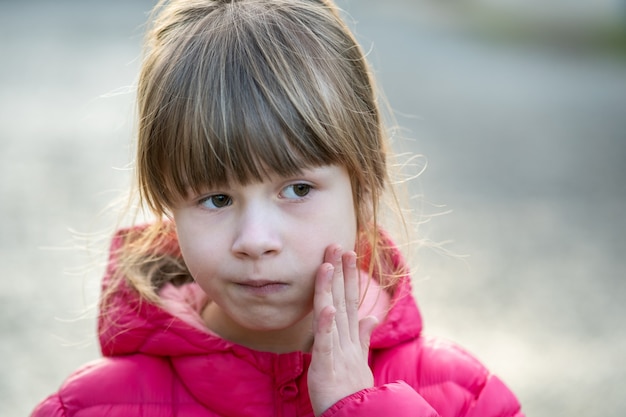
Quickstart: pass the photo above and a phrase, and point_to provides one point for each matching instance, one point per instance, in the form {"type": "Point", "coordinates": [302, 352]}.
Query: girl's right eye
{"type": "Point", "coordinates": [216, 201]}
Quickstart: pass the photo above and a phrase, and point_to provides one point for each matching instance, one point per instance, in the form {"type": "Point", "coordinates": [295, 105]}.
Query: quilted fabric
{"type": "Point", "coordinates": [161, 361]}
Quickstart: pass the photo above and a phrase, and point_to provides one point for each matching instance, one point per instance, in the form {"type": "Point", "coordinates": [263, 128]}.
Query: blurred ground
{"type": "Point", "coordinates": [525, 138]}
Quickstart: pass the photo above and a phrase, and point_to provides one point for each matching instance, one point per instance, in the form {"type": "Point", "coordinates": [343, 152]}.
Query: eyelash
{"type": "Point", "coordinates": [212, 198]}
{"type": "Point", "coordinates": [308, 188]}
{"type": "Point", "coordinates": [225, 200]}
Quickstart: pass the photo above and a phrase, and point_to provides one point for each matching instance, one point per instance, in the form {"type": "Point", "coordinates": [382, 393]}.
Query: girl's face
{"type": "Point", "coordinates": [255, 250]}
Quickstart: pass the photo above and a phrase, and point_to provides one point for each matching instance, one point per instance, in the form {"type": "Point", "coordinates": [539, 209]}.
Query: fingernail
{"type": "Point", "coordinates": [352, 259]}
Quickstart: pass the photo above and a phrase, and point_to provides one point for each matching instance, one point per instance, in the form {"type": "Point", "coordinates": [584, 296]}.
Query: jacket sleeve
{"type": "Point", "coordinates": [394, 399]}
{"type": "Point", "coordinates": [457, 384]}
{"type": "Point", "coordinates": [399, 399]}
{"type": "Point", "coordinates": [431, 377]}
{"type": "Point", "coordinates": [50, 407]}
{"type": "Point", "coordinates": [495, 399]}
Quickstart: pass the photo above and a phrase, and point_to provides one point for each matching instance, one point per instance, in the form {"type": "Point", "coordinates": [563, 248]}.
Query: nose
{"type": "Point", "coordinates": [258, 233]}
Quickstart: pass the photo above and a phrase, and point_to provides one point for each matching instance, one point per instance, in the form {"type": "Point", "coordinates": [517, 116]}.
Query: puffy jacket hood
{"type": "Point", "coordinates": [162, 360]}
{"type": "Point", "coordinates": [128, 324]}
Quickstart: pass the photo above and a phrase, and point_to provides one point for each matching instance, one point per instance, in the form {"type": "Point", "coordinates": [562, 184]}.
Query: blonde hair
{"type": "Point", "coordinates": [234, 90]}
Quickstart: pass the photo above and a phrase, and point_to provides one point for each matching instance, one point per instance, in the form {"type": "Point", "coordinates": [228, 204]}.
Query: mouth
{"type": "Point", "coordinates": [261, 287]}
{"type": "Point", "coordinates": [258, 282]}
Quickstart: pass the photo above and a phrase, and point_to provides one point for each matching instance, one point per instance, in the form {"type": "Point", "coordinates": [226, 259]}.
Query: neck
{"type": "Point", "coordinates": [298, 337]}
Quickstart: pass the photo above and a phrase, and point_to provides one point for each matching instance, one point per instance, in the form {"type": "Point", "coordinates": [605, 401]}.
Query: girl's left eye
{"type": "Point", "coordinates": [296, 191]}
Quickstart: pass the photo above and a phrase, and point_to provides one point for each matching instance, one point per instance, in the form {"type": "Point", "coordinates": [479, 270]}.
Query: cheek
{"type": "Point", "coordinates": [194, 248]}
{"type": "Point", "coordinates": [347, 225]}
{"type": "Point", "coordinates": [339, 227]}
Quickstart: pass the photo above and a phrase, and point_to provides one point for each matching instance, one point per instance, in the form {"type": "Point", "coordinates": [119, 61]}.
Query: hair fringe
{"type": "Point", "coordinates": [144, 260]}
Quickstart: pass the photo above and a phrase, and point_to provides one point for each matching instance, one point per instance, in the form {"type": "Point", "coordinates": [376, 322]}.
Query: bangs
{"type": "Point", "coordinates": [240, 97]}
{"type": "Point", "coordinates": [235, 132]}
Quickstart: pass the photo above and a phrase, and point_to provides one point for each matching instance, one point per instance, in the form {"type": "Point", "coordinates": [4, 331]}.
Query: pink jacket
{"type": "Point", "coordinates": [161, 362]}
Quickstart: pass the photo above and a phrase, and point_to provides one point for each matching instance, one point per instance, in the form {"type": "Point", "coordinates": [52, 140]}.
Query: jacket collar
{"type": "Point", "coordinates": [128, 324]}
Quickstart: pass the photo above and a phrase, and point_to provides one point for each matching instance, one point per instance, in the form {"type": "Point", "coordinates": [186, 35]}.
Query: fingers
{"type": "Point", "coordinates": [323, 310]}
{"type": "Point", "coordinates": [339, 363]}
{"type": "Point", "coordinates": [338, 286]}
{"type": "Point", "coordinates": [366, 328]}
{"type": "Point", "coordinates": [334, 257]}
{"type": "Point", "coordinates": [351, 295]}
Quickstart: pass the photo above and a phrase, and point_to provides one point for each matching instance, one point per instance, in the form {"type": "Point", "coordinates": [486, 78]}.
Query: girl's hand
{"type": "Point", "coordinates": [339, 364]}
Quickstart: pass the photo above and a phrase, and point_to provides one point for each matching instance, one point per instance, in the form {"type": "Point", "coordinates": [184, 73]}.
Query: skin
{"type": "Point", "coordinates": [340, 352]}
{"type": "Point", "coordinates": [270, 256]}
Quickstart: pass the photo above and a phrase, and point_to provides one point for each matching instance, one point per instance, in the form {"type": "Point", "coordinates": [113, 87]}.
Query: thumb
{"type": "Point", "coordinates": [366, 328]}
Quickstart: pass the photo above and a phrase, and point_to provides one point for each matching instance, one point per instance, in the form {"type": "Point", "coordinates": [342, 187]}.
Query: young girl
{"type": "Point", "coordinates": [265, 286]}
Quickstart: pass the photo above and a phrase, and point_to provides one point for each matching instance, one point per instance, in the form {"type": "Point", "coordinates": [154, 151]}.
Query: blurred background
{"type": "Point", "coordinates": [517, 107]}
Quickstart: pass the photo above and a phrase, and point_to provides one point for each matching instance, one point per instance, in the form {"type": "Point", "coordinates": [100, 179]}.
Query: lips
{"type": "Point", "coordinates": [259, 283]}
{"type": "Point", "coordinates": [262, 287]}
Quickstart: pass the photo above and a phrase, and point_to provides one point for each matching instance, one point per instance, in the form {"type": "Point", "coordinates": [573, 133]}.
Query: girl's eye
{"type": "Point", "coordinates": [216, 201]}
{"type": "Point", "coordinates": [296, 191]}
